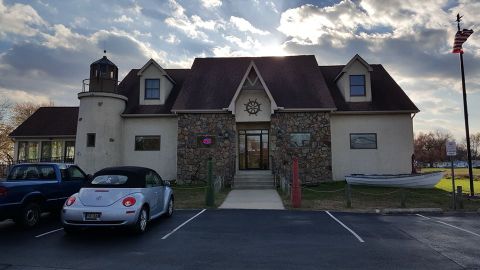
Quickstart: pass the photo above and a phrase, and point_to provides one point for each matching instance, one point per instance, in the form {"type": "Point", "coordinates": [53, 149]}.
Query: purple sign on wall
{"type": "Point", "coordinates": [206, 141]}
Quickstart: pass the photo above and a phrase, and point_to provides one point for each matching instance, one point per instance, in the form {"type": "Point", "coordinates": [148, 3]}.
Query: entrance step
{"type": "Point", "coordinates": [252, 186]}
{"type": "Point", "coordinates": [253, 199]}
{"type": "Point", "coordinates": [253, 180]}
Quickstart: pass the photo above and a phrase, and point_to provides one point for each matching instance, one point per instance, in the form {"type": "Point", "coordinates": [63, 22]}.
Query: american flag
{"type": "Point", "coordinates": [460, 38]}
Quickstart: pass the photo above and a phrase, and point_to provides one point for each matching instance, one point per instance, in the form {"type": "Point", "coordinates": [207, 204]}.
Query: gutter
{"type": "Point", "coordinates": [307, 109]}
{"type": "Point", "coordinates": [374, 112]}
{"type": "Point", "coordinates": [201, 111]}
{"type": "Point", "coordinates": [44, 136]}
{"type": "Point", "coordinates": [149, 115]}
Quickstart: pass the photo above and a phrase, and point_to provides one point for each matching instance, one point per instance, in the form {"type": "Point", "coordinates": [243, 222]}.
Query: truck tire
{"type": "Point", "coordinates": [29, 215]}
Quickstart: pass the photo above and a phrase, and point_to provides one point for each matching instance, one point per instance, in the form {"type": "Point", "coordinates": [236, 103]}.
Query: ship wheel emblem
{"type": "Point", "coordinates": [252, 107]}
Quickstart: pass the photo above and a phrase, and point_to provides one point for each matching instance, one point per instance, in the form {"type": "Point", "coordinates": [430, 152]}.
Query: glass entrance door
{"type": "Point", "coordinates": [253, 149]}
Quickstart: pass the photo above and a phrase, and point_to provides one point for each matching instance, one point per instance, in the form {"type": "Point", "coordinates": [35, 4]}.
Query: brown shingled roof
{"type": "Point", "coordinates": [386, 93]}
{"type": "Point", "coordinates": [49, 121]}
{"type": "Point", "coordinates": [293, 81]}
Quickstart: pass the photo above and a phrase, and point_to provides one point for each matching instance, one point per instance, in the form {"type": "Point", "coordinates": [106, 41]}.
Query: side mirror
{"type": "Point", "coordinates": [166, 183]}
{"type": "Point", "coordinates": [89, 177]}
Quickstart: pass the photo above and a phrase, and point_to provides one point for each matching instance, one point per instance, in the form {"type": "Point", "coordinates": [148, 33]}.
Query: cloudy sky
{"type": "Point", "coordinates": [46, 47]}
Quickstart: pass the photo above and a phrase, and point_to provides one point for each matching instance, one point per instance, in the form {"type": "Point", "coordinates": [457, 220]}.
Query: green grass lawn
{"type": "Point", "coordinates": [446, 184]}
{"type": "Point", "coordinates": [459, 172]}
{"type": "Point", "coordinates": [461, 179]}
{"type": "Point", "coordinates": [193, 196]}
{"type": "Point", "coordinates": [331, 196]}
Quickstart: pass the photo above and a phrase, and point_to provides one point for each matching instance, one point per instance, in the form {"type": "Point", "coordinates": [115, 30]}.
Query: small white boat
{"type": "Point", "coordinates": [424, 180]}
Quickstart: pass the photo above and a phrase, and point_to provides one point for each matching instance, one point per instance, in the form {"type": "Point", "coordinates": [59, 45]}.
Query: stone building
{"type": "Point", "coordinates": [251, 115]}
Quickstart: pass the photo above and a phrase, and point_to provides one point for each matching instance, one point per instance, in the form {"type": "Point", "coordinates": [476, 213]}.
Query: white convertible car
{"type": "Point", "coordinates": [119, 196]}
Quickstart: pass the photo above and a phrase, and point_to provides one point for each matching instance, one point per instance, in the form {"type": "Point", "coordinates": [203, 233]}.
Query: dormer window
{"type": "Point", "coordinates": [357, 86]}
{"type": "Point", "coordinates": [152, 89]}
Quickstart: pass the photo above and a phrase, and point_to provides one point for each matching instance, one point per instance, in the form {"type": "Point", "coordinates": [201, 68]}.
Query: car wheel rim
{"type": "Point", "coordinates": [31, 217]}
{"type": "Point", "coordinates": [170, 207]}
{"type": "Point", "coordinates": [143, 220]}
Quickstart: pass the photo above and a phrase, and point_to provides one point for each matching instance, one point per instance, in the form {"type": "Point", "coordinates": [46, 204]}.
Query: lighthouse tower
{"type": "Point", "coordinates": [100, 125]}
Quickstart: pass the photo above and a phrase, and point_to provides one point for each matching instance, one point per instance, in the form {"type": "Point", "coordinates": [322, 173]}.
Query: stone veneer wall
{"type": "Point", "coordinates": [315, 161]}
{"type": "Point", "coordinates": [192, 159]}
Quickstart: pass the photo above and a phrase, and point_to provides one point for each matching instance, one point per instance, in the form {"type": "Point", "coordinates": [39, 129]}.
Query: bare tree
{"type": "Point", "coordinates": [474, 145]}
{"type": "Point", "coordinates": [11, 116]}
{"type": "Point", "coordinates": [6, 144]}
{"type": "Point", "coordinates": [430, 147]}
{"type": "Point", "coordinates": [22, 111]}
{"type": "Point", "coordinates": [5, 106]}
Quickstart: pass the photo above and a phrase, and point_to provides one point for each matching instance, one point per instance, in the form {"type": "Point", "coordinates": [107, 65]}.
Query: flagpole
{"type": "Point", "coordinates": [465, 113]}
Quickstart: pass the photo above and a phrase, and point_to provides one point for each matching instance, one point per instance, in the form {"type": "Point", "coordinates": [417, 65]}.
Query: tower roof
{"type": "Point", "coordinates": [103, 61]}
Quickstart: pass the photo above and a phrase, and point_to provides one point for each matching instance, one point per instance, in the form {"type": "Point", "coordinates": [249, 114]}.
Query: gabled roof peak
{"type": "Point", "coordinates": [351, 62]}
{"type": "Point", "coordinates": [150, 62]}
{"type": "Point", "coordinates": [252, 67]}
{"type": "Point", "coordinates": [153, 62]}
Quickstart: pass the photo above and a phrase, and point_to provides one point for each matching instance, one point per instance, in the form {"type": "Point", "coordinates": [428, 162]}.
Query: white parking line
{"type": "Point", "coordinates": [450, 225]}
{"type": "Point", "coordinates": [346, 227]}
{"type": "Point", "coordinates": [43, 234]}
{"type": "Point", "coordinates": [183, 224]}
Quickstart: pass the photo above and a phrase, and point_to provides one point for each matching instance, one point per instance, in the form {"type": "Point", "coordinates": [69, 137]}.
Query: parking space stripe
{"type": "Point", "coordinates": [346, 227]}
{"type": "Point", "coordinates": [450, 225]}
{"type": "Point", "coordinates": [183, 224]}
{"type": "Point", "coordinates": [47, 233]}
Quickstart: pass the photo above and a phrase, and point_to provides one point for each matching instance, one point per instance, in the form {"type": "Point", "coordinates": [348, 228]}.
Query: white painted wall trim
{"type": "Point", "coordinates": [350, 63]}
{"type": "Point", "coordinates": [153, 62]}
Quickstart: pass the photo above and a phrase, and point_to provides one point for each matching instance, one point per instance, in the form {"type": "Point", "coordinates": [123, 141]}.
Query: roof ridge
{"type": "Point", "coordinates": [249, 57]}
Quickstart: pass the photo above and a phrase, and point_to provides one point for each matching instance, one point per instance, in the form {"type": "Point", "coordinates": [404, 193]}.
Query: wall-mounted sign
{"type": "Point", "coordinates": [205, 141]}
{"type": "Point", "coordinates": [299, 139]}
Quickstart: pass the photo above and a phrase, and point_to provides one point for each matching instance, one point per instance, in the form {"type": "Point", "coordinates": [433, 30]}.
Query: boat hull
{"type": "Point", "coordinates": [428, 180]}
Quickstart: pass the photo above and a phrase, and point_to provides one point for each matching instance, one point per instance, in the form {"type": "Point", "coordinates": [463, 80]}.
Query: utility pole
{"type": "Point", "coordinates": [465, 113]}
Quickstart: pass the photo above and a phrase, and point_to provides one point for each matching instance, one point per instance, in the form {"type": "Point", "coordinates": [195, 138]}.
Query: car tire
{"type": "Point", "coordinates": [29, 215]}
{"type": "Point", "coordinates": [170, 208]}
{"type": "Point", "coordinates": [142, 221]}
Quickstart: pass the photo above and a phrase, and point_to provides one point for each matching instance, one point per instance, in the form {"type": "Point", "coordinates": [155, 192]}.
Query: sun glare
{"type": "Point", "coordinates": [271, 50]}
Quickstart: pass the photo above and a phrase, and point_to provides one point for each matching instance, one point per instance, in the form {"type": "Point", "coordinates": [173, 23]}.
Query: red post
{"type": "Point", "coordinates": [296, 189]}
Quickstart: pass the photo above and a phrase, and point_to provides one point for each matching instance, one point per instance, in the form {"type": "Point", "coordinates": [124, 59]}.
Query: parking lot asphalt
{"type": "Point", "coordinates": [255, 239]}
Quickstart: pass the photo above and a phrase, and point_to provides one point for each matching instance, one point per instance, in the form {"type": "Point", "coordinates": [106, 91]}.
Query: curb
{"type": "Point", "coordinates": [411, 210]}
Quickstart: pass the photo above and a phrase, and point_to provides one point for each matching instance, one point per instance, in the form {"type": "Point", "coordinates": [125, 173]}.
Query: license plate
{"type": "Point", "coordinates": [92, 216]}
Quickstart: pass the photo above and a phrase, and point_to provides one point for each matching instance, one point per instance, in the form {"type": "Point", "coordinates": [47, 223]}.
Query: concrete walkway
{"type": "Point", "coordinates": [253, 199]}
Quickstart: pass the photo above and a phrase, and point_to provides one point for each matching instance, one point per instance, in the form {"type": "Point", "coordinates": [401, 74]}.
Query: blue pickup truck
{"type": "Point", "coordinates": [33, 188]}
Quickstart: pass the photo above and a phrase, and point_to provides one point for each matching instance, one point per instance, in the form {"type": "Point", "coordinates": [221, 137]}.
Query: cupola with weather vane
{"type": "Point", "coordinates": [103, 76]}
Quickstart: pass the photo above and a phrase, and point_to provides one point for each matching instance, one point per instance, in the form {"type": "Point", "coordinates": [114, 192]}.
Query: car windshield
{"type": "Point", "coordinates": [109, 180]}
